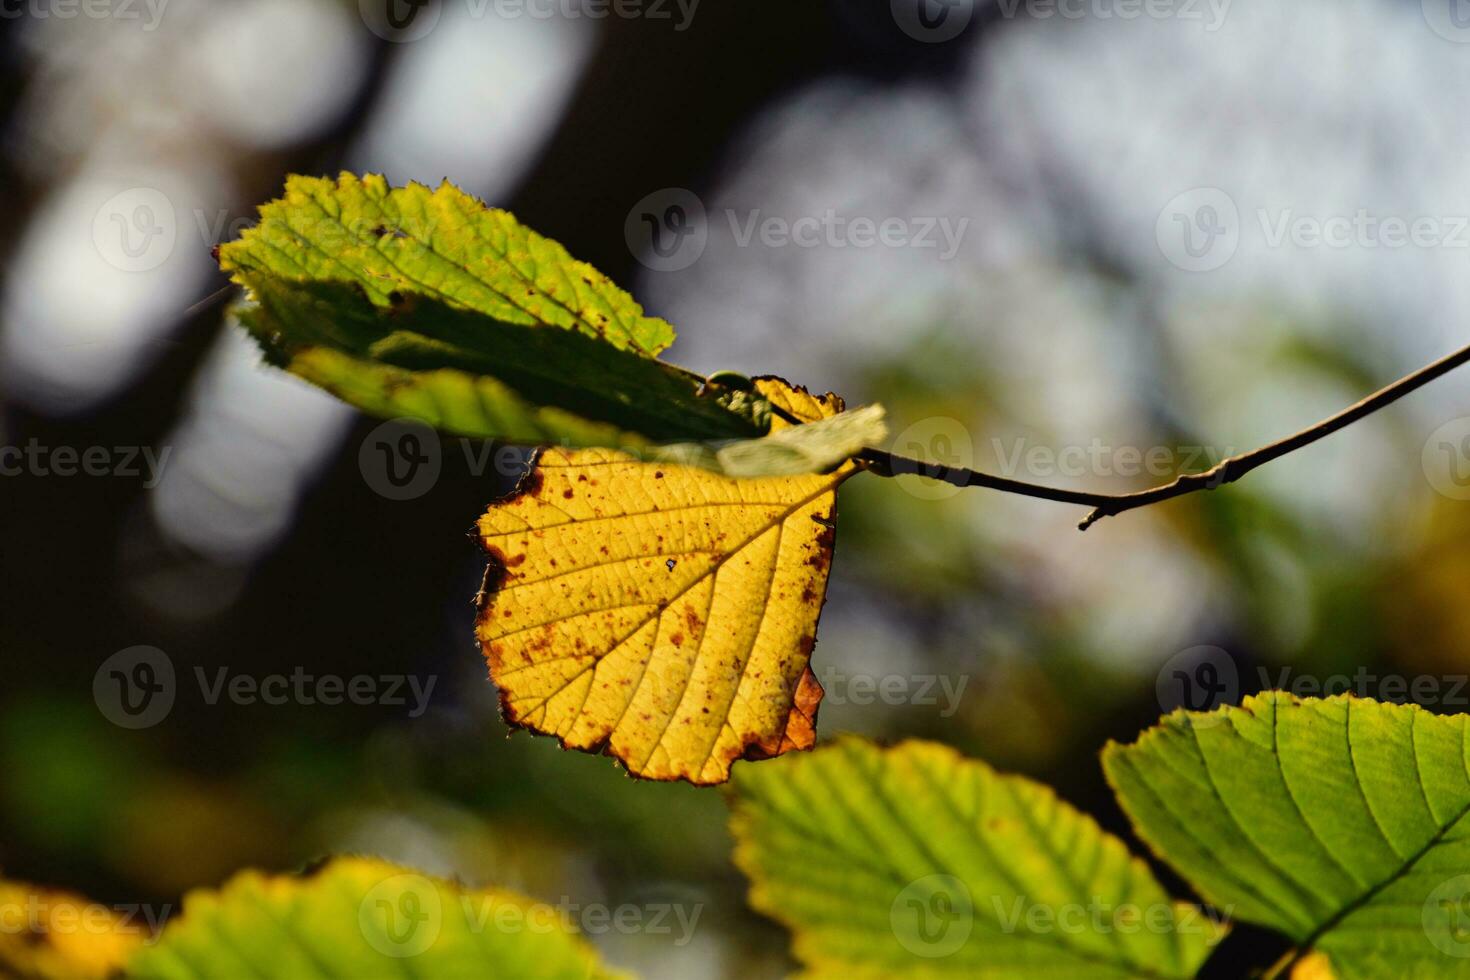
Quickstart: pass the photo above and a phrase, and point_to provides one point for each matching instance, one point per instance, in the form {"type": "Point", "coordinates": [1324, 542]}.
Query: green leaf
{"type": "Point", "coordinates": [442, 244]}
{"type": "Point", "coordinates": [426, 304]}
{"type": "Point", "coordinates": [1338, 822]}
{"type": "Point", "coordinates": [461, 373]}
{"type": "Point", "coordinates": [915, 861]}
{"type": "Point", "coordinates": [358, 917]}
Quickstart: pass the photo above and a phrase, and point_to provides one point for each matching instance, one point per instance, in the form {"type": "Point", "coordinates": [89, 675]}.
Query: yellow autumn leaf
{"type": "Point", "coordinates": [1314, 966]}
{"type": "Point", "coordinates": [663, 614]}
{"type": "Point", "coordinates": [60, 936]}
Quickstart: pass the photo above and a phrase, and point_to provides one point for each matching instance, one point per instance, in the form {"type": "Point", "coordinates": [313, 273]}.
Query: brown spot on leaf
{"type": "Point", "coordinates": [800, 732]}
{"type": "Point", "coordinates": [821, 560]}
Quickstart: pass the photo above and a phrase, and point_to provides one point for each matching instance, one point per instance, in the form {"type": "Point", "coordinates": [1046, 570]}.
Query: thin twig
{"type": "Point", "coordinates": [1226, 471]}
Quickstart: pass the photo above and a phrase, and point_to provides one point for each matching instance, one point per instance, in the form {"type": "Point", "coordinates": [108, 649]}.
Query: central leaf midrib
{"type": "Point", "coordinates": [1365, 899]}
{"type": "Point", "coordinates": [829, 486]}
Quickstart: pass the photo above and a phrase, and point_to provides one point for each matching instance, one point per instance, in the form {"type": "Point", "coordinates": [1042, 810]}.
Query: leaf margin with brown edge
{"type": "Point", "coordinates": [804, 694]}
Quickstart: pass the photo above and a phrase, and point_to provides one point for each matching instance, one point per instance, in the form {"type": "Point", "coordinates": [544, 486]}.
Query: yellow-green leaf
{"type": "Point", "coordinates": [442, 244]}
{"type": "Point", "coordinates": [427, 304]}
{"type": "Point", "coordinates": [363, 918]}
{"type": "Point", "coordinates": [914, 861]}
{"type": "Point", "coordinates": [664, 614]}
{"type": "Point", "coordinates": [1339, 822]}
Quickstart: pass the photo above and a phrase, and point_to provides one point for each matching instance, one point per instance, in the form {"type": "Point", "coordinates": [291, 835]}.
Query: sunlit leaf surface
{"type": "Point", "coordinates": [662, 613]}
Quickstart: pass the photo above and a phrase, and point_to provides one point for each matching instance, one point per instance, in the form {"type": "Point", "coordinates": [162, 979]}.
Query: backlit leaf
{"type": "Point", "coordinates": [664, 614]}
{"type": "Point", "coordinates": [1338, 822]}
{"type": "Point", "coordinates": [914, 861]}
{"type": "Point", "coordinates": [363, 918]}
{"type": "Point", "coordinates": [427, 304]}
{"type": "Point", "coordinates": [441, 244]}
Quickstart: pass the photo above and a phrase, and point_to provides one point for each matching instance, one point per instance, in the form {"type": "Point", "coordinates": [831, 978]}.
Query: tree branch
{"type": "Point", "coordinates": [1226, 471]}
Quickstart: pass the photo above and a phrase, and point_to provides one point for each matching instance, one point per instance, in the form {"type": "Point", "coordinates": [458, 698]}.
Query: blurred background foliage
{"type": "Point", "coordinates": [1058, 322]}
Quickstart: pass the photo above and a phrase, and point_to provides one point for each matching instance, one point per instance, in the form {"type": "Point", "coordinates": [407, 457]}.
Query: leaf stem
{"type": "Point", "coordinates": [1226, 471]}
{"type": "Point", "coordinates": [1288, 959]}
